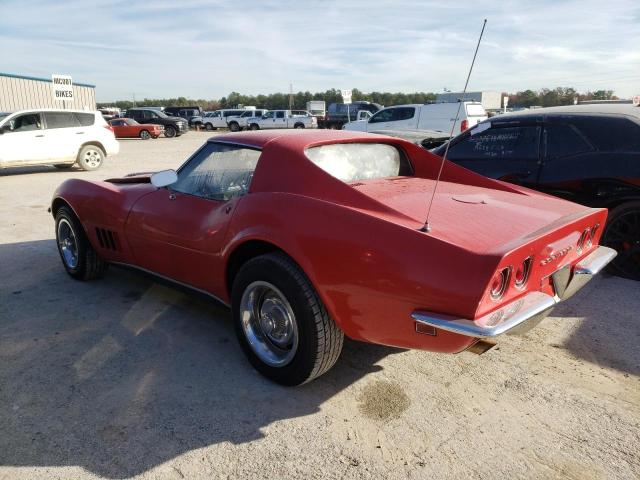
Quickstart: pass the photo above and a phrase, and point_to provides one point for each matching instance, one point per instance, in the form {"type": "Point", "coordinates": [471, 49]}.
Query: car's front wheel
{"type": "Point", "coordinates": [208, 127]}
{"type": "Point", "coordinates": [622, 233]}
{"type": "Point", "coordinates": [90, 157]}
{"type": "Point", "coordinates": [79, 258]}
{"type": "Point", "coordinates": [299, 125]}
{"type": "Point", "coordinates": [234, 127]}
{"type": "Point", "coordinates": [169, 131]}
{"type": "Point", "coordinates": [281, 323]}
{"type": "Point", "coordinates": [145, 135]}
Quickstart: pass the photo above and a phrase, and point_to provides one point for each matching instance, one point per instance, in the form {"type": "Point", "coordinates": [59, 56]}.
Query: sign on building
{"type": "Point", "coordinates": [62, 87]}
{"type": "Point", "coordinates": [346, 96]}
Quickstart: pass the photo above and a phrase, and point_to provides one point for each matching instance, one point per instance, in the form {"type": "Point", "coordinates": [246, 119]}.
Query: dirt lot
{"type": "Point", "coordinates": [123, 377]}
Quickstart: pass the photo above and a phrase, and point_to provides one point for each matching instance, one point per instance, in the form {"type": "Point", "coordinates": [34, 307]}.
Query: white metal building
{"type": "Point", "coordinates": [19, 92]}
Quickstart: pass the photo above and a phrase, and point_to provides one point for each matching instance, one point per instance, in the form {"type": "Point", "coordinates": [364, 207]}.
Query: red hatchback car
{"type": "Point", "coordinates": [309, 236]}
{"type": "Point", "coordinates": [129, 128]}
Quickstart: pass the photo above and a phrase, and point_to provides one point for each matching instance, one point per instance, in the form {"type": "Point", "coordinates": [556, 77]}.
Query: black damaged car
{"type": "Point", "coordinates": [589, 154]}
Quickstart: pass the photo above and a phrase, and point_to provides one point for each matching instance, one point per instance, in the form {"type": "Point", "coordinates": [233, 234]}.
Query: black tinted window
{"type": "Point", "coordinates": [382, 116]}
{"type": "Point", "coordinates": [564, 140]}
{"type": "Point", "coordinates": [279, 114]}
{"type": "Point", "coordinates": [218, 172]}
{"type": "Point", "coordinates": [85, 119]}
{"type": "Point", "coordinates": [498, 143]}
{"type": "Point", "coordinates": [61, 120]}
{"type": "Point", "coordinates": [403, 113]}
{"type": "Point", "coordinates": [610, 134]}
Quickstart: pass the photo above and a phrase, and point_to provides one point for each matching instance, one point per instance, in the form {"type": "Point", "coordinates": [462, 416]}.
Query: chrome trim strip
{"type": "Point", "coordinates": [532, 306]}
{"type": "Point", "coordinates": [171, 280]}
{"type": "Point", "coordinates": [494, 323]}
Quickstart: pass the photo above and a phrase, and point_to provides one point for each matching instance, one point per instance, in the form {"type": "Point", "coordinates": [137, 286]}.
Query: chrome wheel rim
{"type": "Point", "coordinates": [92, 158]}
{"type": "Point", "coordinates": [269, 324]}
{"type": "Point", "coordinates": [67, 243]}
{"type": "Point", "coordinates": [144, 135]}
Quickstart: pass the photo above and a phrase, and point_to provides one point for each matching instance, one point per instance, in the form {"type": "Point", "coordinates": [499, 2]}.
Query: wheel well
{"type": "Point", "coordinates": [244, 253]}
{"type": "Point", "coordinates": [57, 203]}
{"type": "Point", "coordinates": [298, 123]}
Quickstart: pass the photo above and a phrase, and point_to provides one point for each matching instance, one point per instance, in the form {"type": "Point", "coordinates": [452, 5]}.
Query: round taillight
{"type": "Point", "coordinates": [521, 274]}
{"type": "Point", "coordinates": [499, 284]}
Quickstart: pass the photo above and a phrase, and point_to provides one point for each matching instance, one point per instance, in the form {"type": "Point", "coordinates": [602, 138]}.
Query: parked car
{"type": "Point", "coordinates": [309, 236]}
{"type": "Point", "coordinates": [191, 114]}
{"type": "Point", "coordinates": [239, 122]}
{"type": "Point", "coordinates": [218, 118]}
{"type": "Point", "coordinates": [589, 154]}
{"type": "Point", "coordinates": [340, 113]}
{"type": "Point", "coordinates": [283, 119]}
{"type": "Point", "coordinates": [173, 126]}
{"type": "Point", "coordinates": [56, 137]}
{"type": "Point", "coordinates": [129, 128]}
{"type": "Point", "coordinates": [430, 116]}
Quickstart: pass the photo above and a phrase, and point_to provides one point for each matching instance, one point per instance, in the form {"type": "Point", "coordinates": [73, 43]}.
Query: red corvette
{"type": "Point", "coordinates": [129, 128]}
{"type": "Point", "coordinates": [309, 236]}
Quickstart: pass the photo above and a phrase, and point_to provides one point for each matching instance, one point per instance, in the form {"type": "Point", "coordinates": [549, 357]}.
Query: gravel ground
{"type": "Point", "coordinates": [123, 377]}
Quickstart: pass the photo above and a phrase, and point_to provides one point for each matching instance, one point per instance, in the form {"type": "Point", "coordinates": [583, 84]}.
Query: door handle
{"type": "Point", "coordinates": [172, 196]}
{"type": "Point", "coordinates": [38, 136]}
{"type": "Point", "coordinates": [79, 133]}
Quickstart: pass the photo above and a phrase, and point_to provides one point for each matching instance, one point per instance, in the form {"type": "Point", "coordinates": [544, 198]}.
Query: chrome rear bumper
{"type": "Point", "coordinates": [523, 313]}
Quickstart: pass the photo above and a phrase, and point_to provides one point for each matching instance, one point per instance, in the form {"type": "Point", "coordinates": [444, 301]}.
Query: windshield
{"type": "Point", "coordinates": [161, 114]}
{"type": "Point", "coordinates": [351, 162]}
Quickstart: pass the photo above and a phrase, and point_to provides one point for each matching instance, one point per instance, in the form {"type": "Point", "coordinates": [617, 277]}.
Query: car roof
{"type": "Point", "coordinates": [30, 110]}
{"type": "Point", "coordinates": [587, 109]}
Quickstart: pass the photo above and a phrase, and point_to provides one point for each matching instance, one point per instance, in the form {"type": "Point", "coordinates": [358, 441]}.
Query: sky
{"type": "Point", "coordinates": [207, 49]}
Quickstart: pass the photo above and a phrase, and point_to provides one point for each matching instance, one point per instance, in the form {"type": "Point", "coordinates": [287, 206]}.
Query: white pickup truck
{"type": "Point", "coordinates": [430, 116]}
{"type": "Point", "coordinates": [284, 119]}
{"type": "Point", "coordinates": [240, 122]}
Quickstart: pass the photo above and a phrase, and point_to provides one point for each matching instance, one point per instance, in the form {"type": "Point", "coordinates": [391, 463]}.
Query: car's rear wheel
{"type": "Point", "coordinates": [622, 233]}
{"type": "Point", "coordinates": [145, 135]}
{"type": "Point", "coordinates": [208, 127]}
{"type": "Point", "coordinates": [254, 126]}
{"type": "Point", "coordinates": [90, 157]}
{"type": "Point", "coordinates": [79, 258]}
{"type": "Point", "coordinates": [281, 323]}
{"type": "Point", "coordinates": [234, 127]}
{"type": "Point", "coordinates": [169, 131]}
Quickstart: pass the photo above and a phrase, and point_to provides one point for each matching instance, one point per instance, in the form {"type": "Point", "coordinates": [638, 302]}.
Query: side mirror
{"type": "Point", "coordinates": [164, 178]}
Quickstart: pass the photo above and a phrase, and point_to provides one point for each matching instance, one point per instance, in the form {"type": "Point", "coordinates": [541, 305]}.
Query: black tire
{"type": "Point", "coordinates": [88, 264]}
{"type": "Point", "coordinates": [170, 131]}
{"type": "Point", "coordinates": [90, 157]}
{"type": "Point", "coordinates": [254, 126]}
{"type": "Point", "coordinates": [319, 340]}
{"type": "Point", "coordinates": [299, 125]}
{"type": "Point", "coordinates": [234, 127]}
{"type": "Point", "coordinates": [145, 135]}
{"type": "Point", "coordinates": [208, 127]}
{"type": "Point", "coordinates": [622, 233]}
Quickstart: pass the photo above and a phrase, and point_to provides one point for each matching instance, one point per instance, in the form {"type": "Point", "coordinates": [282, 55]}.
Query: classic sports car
{"type": "Point", "coordinates": [309, 236]}
{"type": "Point", "coordinates": [129, 128]}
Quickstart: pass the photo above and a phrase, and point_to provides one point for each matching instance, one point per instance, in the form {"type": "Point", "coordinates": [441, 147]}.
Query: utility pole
{"type": "Point", "coordinates": [134, 99]}
{"type": "Point", "coordinates": [290, 96]}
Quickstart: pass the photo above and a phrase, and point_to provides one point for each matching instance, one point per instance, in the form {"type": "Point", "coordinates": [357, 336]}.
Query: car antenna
{"type": "Point", "coordinates": [426, 227]}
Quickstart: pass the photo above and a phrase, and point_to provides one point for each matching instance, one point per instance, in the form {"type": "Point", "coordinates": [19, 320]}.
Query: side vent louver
{"type": "Point", "coordinates": [108, 239]}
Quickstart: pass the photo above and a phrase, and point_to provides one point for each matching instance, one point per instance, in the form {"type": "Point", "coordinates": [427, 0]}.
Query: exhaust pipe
{"type": "Point", "coordinates": [481, 346]}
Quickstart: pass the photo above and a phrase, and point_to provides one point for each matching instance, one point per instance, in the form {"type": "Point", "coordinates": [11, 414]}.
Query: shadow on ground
{"type": "Point", "coordinates": [609, 333]}
{"type": "Point", "coordinates": [121, 374]}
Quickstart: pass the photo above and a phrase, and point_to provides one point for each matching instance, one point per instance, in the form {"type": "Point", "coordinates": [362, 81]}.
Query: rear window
{"type": "Point", "coordinates": [85, 119]}
{"type": "Point", "coordinates": [351, 162]}
{"type": "Point", "coordinates": [476, 111]}
{"type": "Point", "coordinates": [610, 134]}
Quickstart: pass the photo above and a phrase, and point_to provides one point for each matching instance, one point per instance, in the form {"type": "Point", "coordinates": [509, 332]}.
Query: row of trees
{"type": "Point", "coordinates": [527, 98]}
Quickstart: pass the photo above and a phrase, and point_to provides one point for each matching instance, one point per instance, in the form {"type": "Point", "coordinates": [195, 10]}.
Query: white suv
{"type": "Point", "coordinates": [56, 137]}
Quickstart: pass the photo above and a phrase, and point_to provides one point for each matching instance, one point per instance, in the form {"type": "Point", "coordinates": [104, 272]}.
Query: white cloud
{"type": "Point", "coordinates": [206, 49]}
